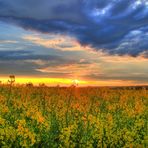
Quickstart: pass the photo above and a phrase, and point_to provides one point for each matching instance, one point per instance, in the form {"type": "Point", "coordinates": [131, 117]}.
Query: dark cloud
{"type": "Point", "coordinates": [26, 68]}
{"type": "Point", "coordinates": [141, 77]}
{"type": "Point", "coordinates": [18, 68]}
{"type": "Point", "coordinates": [25, 62]}
{"type": "Point", "coordinates": [26, 55]}
{"type": "Point", "coordinates": [21, 62]}
{"type": "Point", "coordinates": [103, 24]}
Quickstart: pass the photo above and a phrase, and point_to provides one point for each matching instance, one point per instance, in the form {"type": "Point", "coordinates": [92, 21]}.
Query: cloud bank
{"type": "Point", "coordinates": [113, 26]}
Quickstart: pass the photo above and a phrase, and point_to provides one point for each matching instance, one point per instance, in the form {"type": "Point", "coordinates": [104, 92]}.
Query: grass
{"type": "Point", "coordinates": [51, 117]}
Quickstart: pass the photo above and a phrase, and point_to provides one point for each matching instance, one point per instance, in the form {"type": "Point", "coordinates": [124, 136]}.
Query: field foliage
{"type": "Point", "coordinates": [73, 117]}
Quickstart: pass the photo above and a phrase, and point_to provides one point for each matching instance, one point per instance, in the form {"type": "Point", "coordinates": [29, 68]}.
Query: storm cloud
{"type": "Point", "coordinates": [113, 26]}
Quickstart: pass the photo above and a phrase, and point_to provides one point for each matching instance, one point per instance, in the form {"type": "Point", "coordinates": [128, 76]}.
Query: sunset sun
{"type": "Point", "coordinates": [76, 82]}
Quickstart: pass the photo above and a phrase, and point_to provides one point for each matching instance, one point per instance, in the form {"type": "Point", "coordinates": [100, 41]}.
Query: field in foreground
{"type": "Point", "coordinates": [73, 117]}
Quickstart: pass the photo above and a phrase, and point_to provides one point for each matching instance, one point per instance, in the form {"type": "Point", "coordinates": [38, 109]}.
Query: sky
{"type": "Point", "coordinates": [91, 42]}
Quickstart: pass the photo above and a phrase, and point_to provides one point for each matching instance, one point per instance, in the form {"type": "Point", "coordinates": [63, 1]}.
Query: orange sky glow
{"type": "Point", "coordinates": [67, 82]}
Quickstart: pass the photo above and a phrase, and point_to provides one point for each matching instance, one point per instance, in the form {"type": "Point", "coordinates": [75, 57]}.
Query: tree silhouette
{"type": "Point", "coordinates": [11, 79]}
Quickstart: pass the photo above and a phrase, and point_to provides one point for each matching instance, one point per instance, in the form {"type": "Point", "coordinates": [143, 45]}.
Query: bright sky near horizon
{"type": "Point", "coordinates": [90, 42]}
